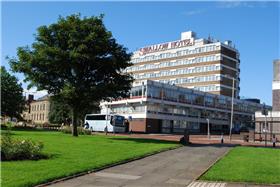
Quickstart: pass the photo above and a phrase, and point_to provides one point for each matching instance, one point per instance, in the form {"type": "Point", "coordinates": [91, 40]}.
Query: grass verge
{"type": "Point", "coordinates": [71, 155]}
{"type": "Point", "coordinates": [247, 164]}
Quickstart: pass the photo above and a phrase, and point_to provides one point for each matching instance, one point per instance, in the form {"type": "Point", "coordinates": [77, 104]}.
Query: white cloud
{"type": "Point", "coordinates": [193, 12]}
{"type": "Point", "coordinates": [236, 4]}
{"type": "Point", "coordinates": [229, 4]}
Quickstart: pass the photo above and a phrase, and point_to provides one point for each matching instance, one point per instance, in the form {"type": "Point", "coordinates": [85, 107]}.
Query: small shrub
{"type": "Point", "coordinates": [12, 149]}
{"type": "Point", "coordinates": [23, 128]}
{"type": "Point", "coordinates": [4, 126]}
{"type": "Point", "coordinates": [66, 130]}
{"type": "Point", "coordinates": [81, 130]}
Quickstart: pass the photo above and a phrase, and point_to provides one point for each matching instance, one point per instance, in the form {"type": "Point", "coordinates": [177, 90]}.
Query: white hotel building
{"type": "Point", "coordinates": [201, 64]}
{"type": "Point", "coordinates": [181, 85]}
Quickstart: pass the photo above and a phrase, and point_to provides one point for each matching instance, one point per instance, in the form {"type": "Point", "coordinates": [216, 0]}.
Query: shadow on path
{"type": "Point", "coordinates": [144, 140]}
{"type": "Point", "coordinates": [211, 145]}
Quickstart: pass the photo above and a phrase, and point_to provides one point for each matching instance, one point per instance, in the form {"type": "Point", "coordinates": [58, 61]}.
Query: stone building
{"type": "Point", "coordinates": [38, 111]}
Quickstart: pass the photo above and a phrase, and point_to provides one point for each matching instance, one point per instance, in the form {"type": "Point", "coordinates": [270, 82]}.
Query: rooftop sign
{"type": "Point", "coordinates": [165, 46]}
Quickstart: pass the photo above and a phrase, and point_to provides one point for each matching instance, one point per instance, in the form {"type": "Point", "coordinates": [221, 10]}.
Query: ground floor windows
{"type": "Point", "coordinates": [178, 126]}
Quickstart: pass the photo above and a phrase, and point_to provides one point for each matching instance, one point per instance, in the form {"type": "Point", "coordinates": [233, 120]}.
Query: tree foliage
{"type": "Point", "coordinates": [77, 60]}
{"type": "Point", "coordinates": [12, 100]}
{"type": "Point", "coordinates": [60, 112]}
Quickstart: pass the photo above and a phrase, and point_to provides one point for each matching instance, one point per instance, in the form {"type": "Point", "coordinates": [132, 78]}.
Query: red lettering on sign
{"type": "Point", "coordinates": [162, 47]}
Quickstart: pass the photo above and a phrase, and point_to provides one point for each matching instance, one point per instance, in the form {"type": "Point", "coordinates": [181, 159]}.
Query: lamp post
{"type": "Point", "coordinates": [208, 128]}
{"type": "Point", "coordinates": [231, 117]}
{"type": "Point", "coordinates": [265, 112]}
{"type": "Point", "coordinates": [265, 131]}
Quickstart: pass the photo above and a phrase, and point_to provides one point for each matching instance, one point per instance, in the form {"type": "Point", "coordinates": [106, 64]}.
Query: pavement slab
{"type": "Point", "coordinates": [178, 167]}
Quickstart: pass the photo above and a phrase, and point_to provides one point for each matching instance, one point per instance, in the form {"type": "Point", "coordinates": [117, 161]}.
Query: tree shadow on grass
{"type": "Point", "coordinates": [144, 140]}
{"type": "Point", "coordinates": [4, 132]}
{"type": "Point", "coordinates": [42, 156]}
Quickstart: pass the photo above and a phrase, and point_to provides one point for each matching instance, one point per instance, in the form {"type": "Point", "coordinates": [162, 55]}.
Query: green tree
{"type": "Point", "coordinates": [12, 100]}
{"type": "Point", "coordinates": [60, 112]}
{"type": "Point", "coordinates": [78, 61]}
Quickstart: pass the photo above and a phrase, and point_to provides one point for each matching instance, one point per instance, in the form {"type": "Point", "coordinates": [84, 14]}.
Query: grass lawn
{"type": "Point", "coordinates": [70, 155]}
{"type": "Point", "coordinates": [247, 164]}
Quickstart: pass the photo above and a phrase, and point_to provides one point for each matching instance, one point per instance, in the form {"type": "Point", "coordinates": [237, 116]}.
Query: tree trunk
{"type": "Point", "coordinates": [74, 124]}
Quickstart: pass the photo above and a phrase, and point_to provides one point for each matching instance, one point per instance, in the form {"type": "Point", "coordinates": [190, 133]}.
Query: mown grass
{"type": "Point", "coordinates": [247, 164]}
{"type": "Point", "coordinates": [70, 155]}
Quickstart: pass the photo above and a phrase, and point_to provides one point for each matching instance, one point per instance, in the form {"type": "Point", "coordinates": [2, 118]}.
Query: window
{"type": "Point", "coordinates": [96, 117]}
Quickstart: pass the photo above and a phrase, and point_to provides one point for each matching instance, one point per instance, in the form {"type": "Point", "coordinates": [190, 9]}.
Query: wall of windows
{"type": "Point", "coordinates": [175, 63]}
{"type": "Point", "coordinates": [207, 78]}
{"type": "Point", "coordinates": [173, 93]}
{"type": "Point", "coordinates": [176, 54]}
{"type": "Point", "coordinates": [184, 95]}
{"type": "Point", "coordinates": [181, 71]}
{"type": "Point", "coordinates": [128, 109]}
{"type": "Point", "coordinates": [208, 88]}
{"type": "Point", "coordinates": [175, 110]}
{"type": "Point", "coordinates": [137, 91]}
{"type": "Point", "coordinates": [37, 107]}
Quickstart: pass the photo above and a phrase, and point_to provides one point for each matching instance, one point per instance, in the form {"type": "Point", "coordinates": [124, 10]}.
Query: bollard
{"type": "Point", "coordinates": [185, 140]}
{"type": "Point", "coordinates": [274, 140]}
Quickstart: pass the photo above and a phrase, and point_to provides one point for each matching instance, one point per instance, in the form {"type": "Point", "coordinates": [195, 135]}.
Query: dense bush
{"type": "Point", "coordinates": [17, 127]}
{"type": "Point", "coordinates": [81, 130]}
{"type": "Point", "coordinates": [4, 126]}
{"type": "Point", "coordinates": [12, 149]}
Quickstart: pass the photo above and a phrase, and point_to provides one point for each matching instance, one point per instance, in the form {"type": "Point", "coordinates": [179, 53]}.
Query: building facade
{"type": "Point", "coordinates": [268, 123]}
{"type": "Point", "coordinates": [202, 64]}
{"type": "Point", "coordinates": [155, 107]}
{"type": "Point", "coordinates": [276, 85]}
{"type": "Point", "coordinates": [38, 111]}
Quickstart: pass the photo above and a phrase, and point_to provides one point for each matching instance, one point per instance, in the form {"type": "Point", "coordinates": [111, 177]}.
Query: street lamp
{"type": "Point", "coordinates": [231, 117]}
{"type": "Point", "coordinates": [265, 112]}
{"type": "Point", "coordinates": [208, 128]}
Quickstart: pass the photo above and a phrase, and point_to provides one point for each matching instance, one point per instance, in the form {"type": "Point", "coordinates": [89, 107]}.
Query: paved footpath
{"type": "Point", "coordinates": [177, 167]}
{"type": "Point", "coordinates": [223, 184]}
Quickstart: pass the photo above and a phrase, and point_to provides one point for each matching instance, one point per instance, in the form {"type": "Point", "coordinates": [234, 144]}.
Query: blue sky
{"type": "Point", "coordinates": [252, 26]}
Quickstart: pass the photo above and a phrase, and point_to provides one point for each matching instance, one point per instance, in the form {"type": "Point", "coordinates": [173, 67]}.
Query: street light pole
{"type": "Point", "coordinates": [208, 128]}
{"type": "Point", "coordinates": [265, 130]}
{"type": "Point", "coordinates": [231, 117]}
{"type": "Point", "coordinates": [264, 112]}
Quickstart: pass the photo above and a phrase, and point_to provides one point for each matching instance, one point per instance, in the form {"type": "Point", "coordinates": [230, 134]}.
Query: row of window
{"type": "Point", "coordinates": [208, 88]}
{"type": "Point", "coordinates": [129, 109]}
{"type": "Point", "coordinates": [186, 111]}
{"type": "Point", "coordinates": [169, 126]}
{"type": "Point", "coordinates": [38, 107]}
{"type": "Point", "coordinates": [176, 54]}
{"type": "Point", "coordinates": [37, 117]}
{"type": "Point", "coordinates": [175, 63]}
{"type": "Point", "coordinates": [186, 95]}
{"type": "Point", "coordinates": [184, 80]}
{"type": "Point", "coordinates": [182, 71]}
